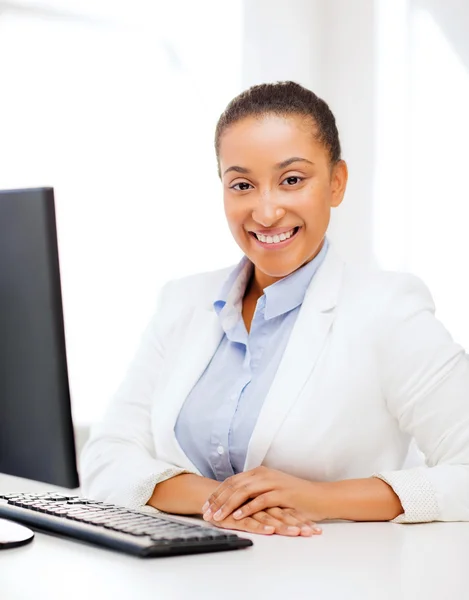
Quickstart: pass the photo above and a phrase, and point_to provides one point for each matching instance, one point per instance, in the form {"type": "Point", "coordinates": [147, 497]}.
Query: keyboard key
{"type": "Point", "coordinates": [141, 534]}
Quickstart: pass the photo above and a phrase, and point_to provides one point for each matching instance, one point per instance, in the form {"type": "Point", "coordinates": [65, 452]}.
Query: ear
{"type": "Point", "coordinates": [339, 177]}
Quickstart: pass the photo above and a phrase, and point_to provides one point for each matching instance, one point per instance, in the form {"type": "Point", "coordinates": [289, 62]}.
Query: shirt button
{"type": "Point", "coordinates": [220, 450]}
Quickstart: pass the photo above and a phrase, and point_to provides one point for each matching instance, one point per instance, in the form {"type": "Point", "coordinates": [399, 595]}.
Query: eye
{"type": "Point", "coordinates": [243, 186]}
{"type": "Point", "coordinates": [292, 180]}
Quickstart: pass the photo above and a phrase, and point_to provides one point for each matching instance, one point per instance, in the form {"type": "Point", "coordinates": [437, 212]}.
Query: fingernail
{"type": "Point", "coordinates": [238, 514]}
{"type": "Point", "coordinates": [306, 530]}
{"type": "Point", "coordinates": [292, 529]}
{"type": "Point", "coordinates": [207, 515]}
{"type": "Point", "coordinates": [205, 507]}
{"type": "Point", "coordinates": [317, 529]}
{"type": "Point", "coordinates": [269, 528]}
{"type": "Point", "coordinates": [217, 515]}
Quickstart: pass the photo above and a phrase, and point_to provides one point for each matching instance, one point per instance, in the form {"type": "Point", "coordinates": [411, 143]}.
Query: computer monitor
{"type": "Point", "coordinates": [36, 429]}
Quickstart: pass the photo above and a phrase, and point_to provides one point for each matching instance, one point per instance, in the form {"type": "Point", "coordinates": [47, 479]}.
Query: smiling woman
{"type": "Point", "coordinates": [287, 390]}
{"type": "Point", "coordinates": [273, 196]}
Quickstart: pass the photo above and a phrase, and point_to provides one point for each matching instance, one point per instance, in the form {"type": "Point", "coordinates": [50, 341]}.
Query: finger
{"type": "Point", "coordinates": [231, 498]}
{"type": "Point", "coordinates": [294, 518]}
{"type": "Point", "coordinates": [262, 501]}
{"type": "Point", "coordinates": [291, 516]}
{"type": "Point", "coordinates": [240, 496]}
{"type": "Point", "coordinates": [215, 500]}
{"type": "Point", "coordinates": [287, 516]}
{"type": "Point", "coordinates": [281, 527]}
{"type": "Point", "coordinates": [249, 525]}
{"type": "Point", "coordinates": [270, 500]}
{"type": "Point", "coordinates": [308, 523]}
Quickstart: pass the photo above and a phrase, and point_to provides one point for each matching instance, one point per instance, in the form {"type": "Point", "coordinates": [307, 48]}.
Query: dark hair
{"type": "Point", "coordinates": [283, 98]}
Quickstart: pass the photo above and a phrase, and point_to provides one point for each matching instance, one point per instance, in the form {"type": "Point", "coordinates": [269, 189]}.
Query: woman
{"type": "Point", "coordinates": [288, 390]}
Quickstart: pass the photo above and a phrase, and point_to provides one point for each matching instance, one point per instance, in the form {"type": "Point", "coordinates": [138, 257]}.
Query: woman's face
{"type": "Point", "coordinates": [279, 187]}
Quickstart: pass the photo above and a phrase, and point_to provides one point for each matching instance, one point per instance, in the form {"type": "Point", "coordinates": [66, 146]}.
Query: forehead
{"type": "Point", "coordinates": [269, 140]}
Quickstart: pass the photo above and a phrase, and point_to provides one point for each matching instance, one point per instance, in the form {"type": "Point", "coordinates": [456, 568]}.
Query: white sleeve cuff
{"type": "Point", "coordinates": [143, 491]}
{"type": "Point", "coordinates": [416, 493]}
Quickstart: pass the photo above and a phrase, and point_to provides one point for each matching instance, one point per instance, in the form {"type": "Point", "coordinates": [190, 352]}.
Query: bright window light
{"type": "Point", "coordinates": [114, 105]}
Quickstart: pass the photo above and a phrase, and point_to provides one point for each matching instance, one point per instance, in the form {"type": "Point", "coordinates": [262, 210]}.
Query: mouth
{"type": "Point", "coordinates": [277, 240]}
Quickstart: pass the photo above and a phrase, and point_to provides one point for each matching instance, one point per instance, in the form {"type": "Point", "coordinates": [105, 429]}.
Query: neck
{"type": "Point", "coordinates": [259, 281]}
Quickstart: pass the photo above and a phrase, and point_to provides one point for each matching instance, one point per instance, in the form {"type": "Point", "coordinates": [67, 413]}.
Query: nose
{"type": "Point", "coordinates": [267, 211]}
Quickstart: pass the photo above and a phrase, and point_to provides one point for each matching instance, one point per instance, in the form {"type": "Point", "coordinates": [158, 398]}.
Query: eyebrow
{"type": "Point", "coordinates": [280, 165]}
{"type": "Point", "coordinates": [237, 169]}
{"type": "Point", "coordinates": [291, 160]}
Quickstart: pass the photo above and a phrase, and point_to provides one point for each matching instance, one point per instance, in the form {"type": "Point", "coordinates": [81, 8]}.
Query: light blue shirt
{"type": "Point", "coordinates": [218, 417]}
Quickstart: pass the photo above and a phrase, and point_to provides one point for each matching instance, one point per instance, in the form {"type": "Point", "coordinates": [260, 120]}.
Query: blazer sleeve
{"type": "Point", "coordinates": [425, 379]}
{"type": "Point", "coordinates": [118, 462]}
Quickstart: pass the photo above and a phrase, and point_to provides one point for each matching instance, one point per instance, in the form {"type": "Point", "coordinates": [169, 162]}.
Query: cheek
{"type": "Point", "coordinates": [234, 212]}
{"type": "Point", "coordinates": [235, 221]}
{"type": "Point", "coordinates": [313, 202]}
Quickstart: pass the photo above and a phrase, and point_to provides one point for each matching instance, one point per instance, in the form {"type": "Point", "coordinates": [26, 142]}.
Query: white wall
{"type": "Point", "coordinates": [114, 104]}
{"type": "Point", "coordinates": [281, 41]}
{"type": "Point", "coordinates": [439, 240]}
{"type": "Point", "coordinates": [328, 47]}
{"type": "Point", "coordinates": [396, 75]}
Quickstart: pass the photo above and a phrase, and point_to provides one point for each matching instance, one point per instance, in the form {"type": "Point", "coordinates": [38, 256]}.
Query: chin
{"type": "Point", "coordinates": [279, 270]}
{"type": "Point", "coordinates": [277, 274]}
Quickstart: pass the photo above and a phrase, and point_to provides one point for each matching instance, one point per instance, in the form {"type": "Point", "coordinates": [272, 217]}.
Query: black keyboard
{"type": "Point", "coordinates": [115, 527]}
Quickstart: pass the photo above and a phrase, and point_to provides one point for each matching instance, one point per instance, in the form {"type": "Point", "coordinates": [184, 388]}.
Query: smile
{"type": "Point", "coordinates": [277, 240]}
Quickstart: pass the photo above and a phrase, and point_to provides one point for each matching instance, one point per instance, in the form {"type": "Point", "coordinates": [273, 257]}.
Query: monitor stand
{"type": "Point", "coordinates": [13, 534]}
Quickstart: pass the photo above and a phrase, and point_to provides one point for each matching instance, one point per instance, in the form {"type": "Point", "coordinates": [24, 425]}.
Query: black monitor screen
{"type": "Point", "coordinates": [36, 431]}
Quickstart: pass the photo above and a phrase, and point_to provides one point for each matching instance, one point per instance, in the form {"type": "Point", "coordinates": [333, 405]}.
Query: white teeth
{"type": "Point", "coordinates": [267, 239]}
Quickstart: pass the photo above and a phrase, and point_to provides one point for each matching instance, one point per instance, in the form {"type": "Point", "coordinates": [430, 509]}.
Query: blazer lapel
{"type": "Point", "coordinates": [301, 354]}
{"type": "Point", "coordinates": [200, 342]}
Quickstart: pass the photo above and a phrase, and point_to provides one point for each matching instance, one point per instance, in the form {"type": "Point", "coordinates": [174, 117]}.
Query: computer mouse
{"type": "Point", "coordinates": [13, 534]}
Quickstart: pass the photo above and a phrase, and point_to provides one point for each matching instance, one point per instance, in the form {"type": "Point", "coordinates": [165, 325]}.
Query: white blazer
{"type": "Point", "coordinates": [367, 369]}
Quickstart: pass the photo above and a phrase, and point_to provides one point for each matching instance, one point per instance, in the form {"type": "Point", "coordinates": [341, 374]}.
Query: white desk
{"type": "Point", "coordinates": [376, 561]}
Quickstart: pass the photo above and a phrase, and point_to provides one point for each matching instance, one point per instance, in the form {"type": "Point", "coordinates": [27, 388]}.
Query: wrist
{"type": "Point", "coordinates": [207, 487]}
{"type": "Point", "coordinates": [356, 500]}
{"type": "Point", "coordinates": [319, 500]}
{"type": "Point", "coordinates": [183, 494]}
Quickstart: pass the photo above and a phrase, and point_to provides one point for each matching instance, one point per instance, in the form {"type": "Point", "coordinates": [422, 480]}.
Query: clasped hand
{"type": "Point", "coordinates": [265, 501]}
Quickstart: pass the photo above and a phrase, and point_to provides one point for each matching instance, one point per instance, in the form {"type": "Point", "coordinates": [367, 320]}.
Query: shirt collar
{"type": "Point", "coordinates": [288, 293]}
{"type": "Point", "coordinates": [230, 298]}
{"type": "Point", "coordinates": [280, 297]}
